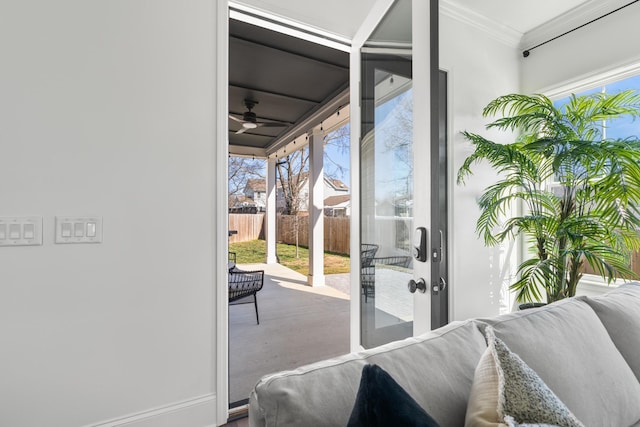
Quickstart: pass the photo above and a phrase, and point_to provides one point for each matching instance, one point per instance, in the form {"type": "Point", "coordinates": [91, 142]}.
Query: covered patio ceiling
{"type": "Point", "coordinates": [290, 84]}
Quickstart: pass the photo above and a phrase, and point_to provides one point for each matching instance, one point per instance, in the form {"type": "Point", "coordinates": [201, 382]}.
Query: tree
{"type": "Point", "coordinates": [293, 169]}
{"type": "Point", "coordinates": [336, 151]}
{"type": "Point", "coordinates": [241, 169]}
{"type": "Point", "coordinates": [292, 174]}
{"type": "Point", "coordinates": [592, 216]}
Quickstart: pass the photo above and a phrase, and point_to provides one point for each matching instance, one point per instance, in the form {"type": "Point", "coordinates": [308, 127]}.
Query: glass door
{"type": "Point", "coordinates": [386, 196]}
{"type": "Point", "coordinates": [394, 64]}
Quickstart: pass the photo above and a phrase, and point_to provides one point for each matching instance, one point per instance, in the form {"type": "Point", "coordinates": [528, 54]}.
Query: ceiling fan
{"type": "Point", "coordinates": [250, 120]}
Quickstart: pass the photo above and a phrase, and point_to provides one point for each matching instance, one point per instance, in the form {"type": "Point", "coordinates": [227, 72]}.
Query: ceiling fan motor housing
{"type": "Point", "coordinates": [249, 116]}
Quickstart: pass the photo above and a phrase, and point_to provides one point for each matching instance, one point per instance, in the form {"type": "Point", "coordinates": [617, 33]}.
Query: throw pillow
{"type": "Point", "coordinates": [381, 401]}
{"type": "Point", "coordinates": [507, 392]}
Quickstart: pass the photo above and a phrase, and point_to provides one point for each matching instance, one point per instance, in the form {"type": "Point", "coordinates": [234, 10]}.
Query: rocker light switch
{"type": "Point", "coordinates": [66, 229]}
{"type": "Point", "coordinates": [28, 231]}
{"type": "Point", "coordinates": [91, 229]}
{"type": "Point", "coordinates": [78, 229]}
{"type": "Point", "coordinates": [14, 231]}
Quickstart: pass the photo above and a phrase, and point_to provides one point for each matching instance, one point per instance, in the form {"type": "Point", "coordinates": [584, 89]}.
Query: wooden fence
{"type": "Point", "coordinates": [251, 227]}
{"type": "Point", "coordinates": [634, 265]}
{"type": "Point", "coordinates": [336, 232]}
{"type": "Point", "coordinates": [248, 226]}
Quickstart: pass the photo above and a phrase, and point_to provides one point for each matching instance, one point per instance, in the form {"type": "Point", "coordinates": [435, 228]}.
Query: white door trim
{"type": "Point", "coordinates": [378, 11]}
{"type": "Point", "coordinates": [220, 237]}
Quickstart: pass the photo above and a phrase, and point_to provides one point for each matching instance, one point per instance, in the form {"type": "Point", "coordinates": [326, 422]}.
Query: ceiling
{"type": "Point", "coordinates": [293, 79]}
{"type": "Point", "coordinates": [289, 79]}
{"type": "Point", "coordinates": [522, 15]}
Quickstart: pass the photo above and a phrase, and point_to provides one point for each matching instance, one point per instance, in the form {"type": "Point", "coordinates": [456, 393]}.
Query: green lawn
{"type": "Point", "coordinates": [254, 251]}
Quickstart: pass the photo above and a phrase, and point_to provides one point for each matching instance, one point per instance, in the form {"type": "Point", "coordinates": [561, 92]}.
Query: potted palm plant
{"type": "Point", "coordinates": [572, 193]}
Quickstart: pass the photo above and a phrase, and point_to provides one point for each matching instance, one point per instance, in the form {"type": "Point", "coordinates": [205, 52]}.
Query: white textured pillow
{"type": "Point", "coordinates": [507, 392]}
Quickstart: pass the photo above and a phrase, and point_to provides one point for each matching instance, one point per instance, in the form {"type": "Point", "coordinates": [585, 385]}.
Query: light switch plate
{"type": "Point", "coordinates": [78, 229]}
{"type": "Point", "coordinates": [21, 231]}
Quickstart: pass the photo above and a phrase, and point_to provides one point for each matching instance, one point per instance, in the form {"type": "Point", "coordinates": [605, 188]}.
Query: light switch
{"type": "Point", "coordinates": [14, 231]}
{"type": "Point", "coordinates": [21, 231]}
{"type": "Point", "coordinates": [79, 229]}
{"type": "Point", "coordinates": [28, 231]}
{"type": "Point", "coordinates": [91, 229]}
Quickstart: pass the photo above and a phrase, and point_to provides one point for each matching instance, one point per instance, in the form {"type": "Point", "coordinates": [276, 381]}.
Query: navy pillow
{"type": "Point", "coordinates": [381, 401]}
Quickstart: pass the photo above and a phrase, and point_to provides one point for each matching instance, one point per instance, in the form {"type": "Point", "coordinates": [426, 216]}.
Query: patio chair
{"type": "Point", "coordinates": [368, 273]}
{"type": "Point", "coordinates": [367, 253]}
{"type": "Point", "coordinates": [243, 285]}
{"type": "Point", "coordinates": [367, 270]}
{"type": "Point", "coordinates": [232, 261]}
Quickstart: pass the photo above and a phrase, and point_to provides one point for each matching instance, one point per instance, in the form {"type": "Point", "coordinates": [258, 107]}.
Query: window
{"type": "Point", "coordinates": [620, 128]}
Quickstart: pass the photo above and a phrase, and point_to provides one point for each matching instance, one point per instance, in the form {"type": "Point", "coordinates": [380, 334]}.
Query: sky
{"type": "Point", "coordinates": [624, 127]}
{"type": "Point", "coordinates": [340, 156]}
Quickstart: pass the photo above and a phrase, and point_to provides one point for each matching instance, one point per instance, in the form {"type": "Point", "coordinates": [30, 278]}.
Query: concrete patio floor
{"type": "Point", "coordinates": [299, 324]}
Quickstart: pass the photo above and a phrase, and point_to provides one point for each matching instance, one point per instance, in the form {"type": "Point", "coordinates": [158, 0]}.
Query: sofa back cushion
{"type": "Point", "coordinates": [436, 369]}
{"type": "Point", "coordinates": [619, 311]}
{"type": "Point", "coordinates": [569, 348]}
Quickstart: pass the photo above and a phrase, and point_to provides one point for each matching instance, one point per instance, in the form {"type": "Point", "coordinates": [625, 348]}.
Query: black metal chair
{"type": "Point", "coordinates": [367, 269]}
{"type": "Point", "coordinates": [232, 261]}
{"type": "Point", "coordinates": [367, 253]}
{"type": "Point", "coordinates": [245, 284]}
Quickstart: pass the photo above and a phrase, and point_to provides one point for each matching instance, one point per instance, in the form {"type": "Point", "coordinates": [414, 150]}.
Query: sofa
{"type": "Point", "coordinates": [585, 349]}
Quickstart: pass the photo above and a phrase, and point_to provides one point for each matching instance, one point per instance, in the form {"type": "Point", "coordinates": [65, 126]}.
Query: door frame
{"type": "Point", "coordinates": [376, 13]}
{"type": "Point", "coordinates": [220, 371]}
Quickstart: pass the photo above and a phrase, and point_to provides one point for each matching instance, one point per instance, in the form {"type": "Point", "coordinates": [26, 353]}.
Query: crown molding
{"type": "Point", "coordinates": [496, 30]}
{"type": "Point", "coordinates": [569, 20]}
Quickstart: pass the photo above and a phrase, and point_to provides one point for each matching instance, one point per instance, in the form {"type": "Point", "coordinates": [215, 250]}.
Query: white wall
{"type": "Point", "coordinates": [107, 109]}
{"type": "Point", "coordinates": [480, 69]}
{"type": "Point", "coordinates": [602, 46]}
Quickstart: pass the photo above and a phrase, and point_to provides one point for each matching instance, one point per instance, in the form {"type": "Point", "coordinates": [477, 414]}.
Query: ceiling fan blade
{"type": "Point", "coordinates": [236, 119]}
{"type": "Point", "coordinates": [242, 130]}
{"type": "Point", "coordinates": [272, 124]}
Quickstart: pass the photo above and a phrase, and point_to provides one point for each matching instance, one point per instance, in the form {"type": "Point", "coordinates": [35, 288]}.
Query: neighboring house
{"type": "Point", "coordinates": [253, 200]}
{"type": "Point", "coordinates": [332, 187]}
{"type": "Point", "coordinates": [256, 191]}
{"type": "Point", "coordinates": [338, 205]}
{"type": "Point", "coordinates": [239, 203]}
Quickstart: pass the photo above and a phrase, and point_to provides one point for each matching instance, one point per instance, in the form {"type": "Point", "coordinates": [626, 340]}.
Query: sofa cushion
{"type": "Point", "coordinates": [507, 391]}
{"type": "Point", "coordinates": [381, 402]}
{"type": "Point", "coordinates": [569, 348]}
{"type": "Point", "coordinates": [323, 394]}
{"type": "Point", "coordinates": [619, 311]}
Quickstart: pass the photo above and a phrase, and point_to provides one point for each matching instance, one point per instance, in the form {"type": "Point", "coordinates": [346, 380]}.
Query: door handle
{"type": "Point", "coordinates": [417, 285]}
{"type": "Point", "coordinates": [440, 286]}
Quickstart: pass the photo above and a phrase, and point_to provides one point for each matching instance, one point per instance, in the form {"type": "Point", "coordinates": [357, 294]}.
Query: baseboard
{"type": "Point", "coordinates": [197, 412]}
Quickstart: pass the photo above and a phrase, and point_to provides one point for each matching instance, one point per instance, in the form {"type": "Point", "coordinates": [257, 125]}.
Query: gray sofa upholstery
{"type": "Point", "coordinates": [586, 349]}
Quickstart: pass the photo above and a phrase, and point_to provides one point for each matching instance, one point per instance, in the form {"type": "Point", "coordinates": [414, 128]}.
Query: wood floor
{"type": "Point", "coordinates": [243, 422]}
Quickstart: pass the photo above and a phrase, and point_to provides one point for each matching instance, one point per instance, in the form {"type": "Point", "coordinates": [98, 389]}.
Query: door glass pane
{"type": "Point", "coordinates": [386, 167]}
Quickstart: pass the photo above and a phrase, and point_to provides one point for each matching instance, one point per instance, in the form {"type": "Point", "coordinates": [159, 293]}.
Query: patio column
{"type": "Point", "coordinates": [316, 209]}
{"type": "Point", "coordinates": [270, 217]}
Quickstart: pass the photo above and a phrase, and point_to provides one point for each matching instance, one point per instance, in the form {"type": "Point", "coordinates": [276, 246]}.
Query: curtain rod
{"type": "Point", "coordinates": [526, 52]}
